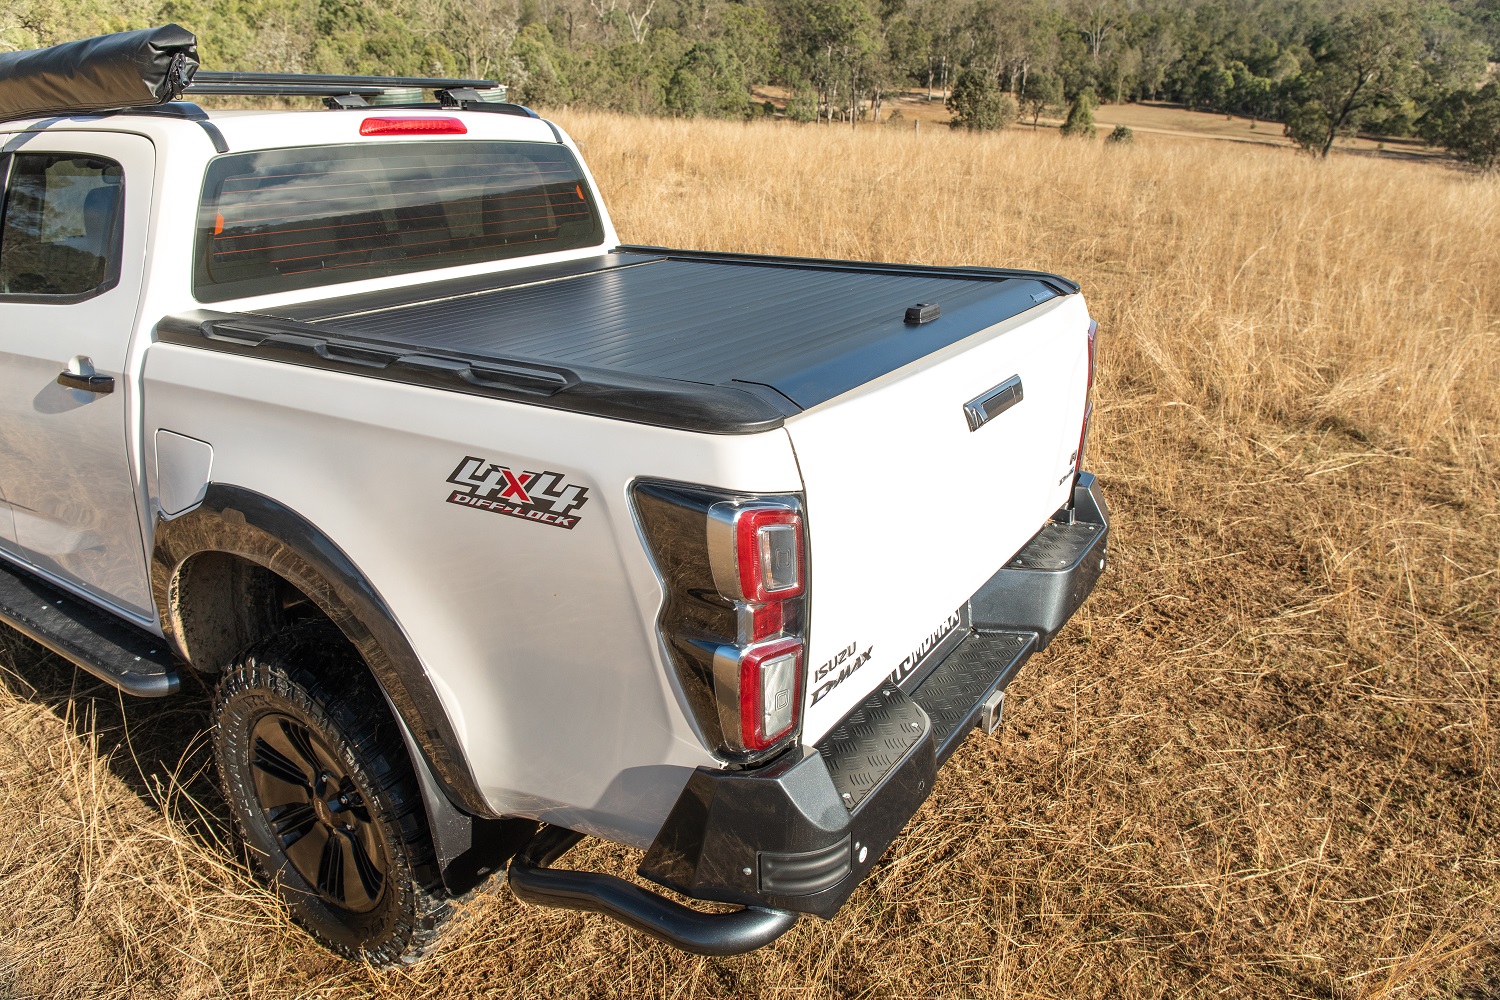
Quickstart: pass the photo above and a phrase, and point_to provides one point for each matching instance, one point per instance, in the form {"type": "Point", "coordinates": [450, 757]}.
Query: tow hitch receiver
{"type": "Point", "coordinates": [990, 711]}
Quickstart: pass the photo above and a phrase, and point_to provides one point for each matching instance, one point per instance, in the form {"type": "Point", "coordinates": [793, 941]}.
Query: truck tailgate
{"type": "Point", "coordinates": [910, 511]}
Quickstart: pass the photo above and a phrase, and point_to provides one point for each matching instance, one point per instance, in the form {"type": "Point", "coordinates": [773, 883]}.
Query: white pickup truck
{"type": "Point", "coordinates": [491, 533]}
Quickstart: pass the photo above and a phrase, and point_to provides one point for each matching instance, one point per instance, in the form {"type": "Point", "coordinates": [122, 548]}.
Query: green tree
{"type": "Point", "coordinates": [538, 79]}
{"type": "Point", "coordinates": [709, 81]}
{"type": "Point", "coordinates": [1081, 116]}
{"type": "Point", "coordinates": [1367, 64]}
{"type": "Point", "coordinates": [1043, 89]}
{"type": "Point", "coordinates": [828, 43]}
{"type": "Point", "coordinates": [1467, 124]}
{"type": "Point", "coordinates": [978, 104]}
{"type": "Point", "coordinates": [802, 107]}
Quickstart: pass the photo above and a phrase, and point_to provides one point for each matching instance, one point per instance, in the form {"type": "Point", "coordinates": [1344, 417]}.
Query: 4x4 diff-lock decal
{"type": "Point", "coordinates": [543, 497]}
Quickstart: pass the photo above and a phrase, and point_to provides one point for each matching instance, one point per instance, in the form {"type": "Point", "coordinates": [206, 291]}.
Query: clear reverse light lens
{"type": "Point", "coordinates": [778, 692]}
{"type": "Point", "coordinates": [778, 556]}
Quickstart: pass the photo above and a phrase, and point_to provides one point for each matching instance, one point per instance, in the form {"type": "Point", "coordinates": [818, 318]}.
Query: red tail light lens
{"type": "Point", "coordinates": [412, 126]}
{"type": "Point", "coordinates": [1093, 336]}
{"type": "Point", "coordinates": [770, 692]}
{"type": "Point", "coordinates": [761, 621]}
{"type": "Point", "coordinates": [768, 553]}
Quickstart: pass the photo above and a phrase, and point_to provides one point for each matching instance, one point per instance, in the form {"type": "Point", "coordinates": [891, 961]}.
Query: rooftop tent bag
{"type": "Point", "coordinates": [130, 69]}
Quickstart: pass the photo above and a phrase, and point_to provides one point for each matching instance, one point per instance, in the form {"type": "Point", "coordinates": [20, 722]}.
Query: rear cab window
{"type": "Point", "coordinates": [285, 219]}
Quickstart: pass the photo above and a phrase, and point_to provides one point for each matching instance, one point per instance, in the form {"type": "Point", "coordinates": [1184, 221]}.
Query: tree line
{"type": "Point", "coordinates": [1320, 68]}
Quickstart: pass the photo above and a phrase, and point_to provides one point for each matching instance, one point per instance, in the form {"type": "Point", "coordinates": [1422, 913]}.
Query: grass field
{"type": "Point", "coordinates": [1261, 762]}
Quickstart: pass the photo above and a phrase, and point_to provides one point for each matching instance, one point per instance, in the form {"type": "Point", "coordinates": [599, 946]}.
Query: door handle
{"type": "Point", "coordinates": [102, 384]}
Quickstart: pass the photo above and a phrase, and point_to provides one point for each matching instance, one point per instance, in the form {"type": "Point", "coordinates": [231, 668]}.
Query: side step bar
{"type": "Point", "coordinates": [533, 879]}
{"type": "Point", "coordinates": [132, 659]}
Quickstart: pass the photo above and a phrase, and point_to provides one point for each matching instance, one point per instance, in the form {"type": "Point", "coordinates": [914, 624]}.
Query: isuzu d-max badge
{"type": "Point", "coordinates": [544, 497]}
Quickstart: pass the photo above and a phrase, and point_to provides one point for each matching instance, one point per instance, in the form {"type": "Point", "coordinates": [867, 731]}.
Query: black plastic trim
{"type": "Point", "coordinates": [534, 880]}
{"type": "Point", "coordinates": [802, 873]}
{"type": "Point", "coordinates": [189, 111]}
{"type": "Point", "coordinates": [244, 523]}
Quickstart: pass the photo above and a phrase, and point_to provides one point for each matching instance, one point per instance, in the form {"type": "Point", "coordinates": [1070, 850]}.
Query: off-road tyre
{"type": "Point", "coordinates": [297, 718]}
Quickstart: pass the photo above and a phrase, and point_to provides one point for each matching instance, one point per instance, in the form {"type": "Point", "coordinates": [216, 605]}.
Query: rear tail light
{"type": "Point", "coordinates": [734, 571]}
{"type": "Point", "coordinates": [412, 126]}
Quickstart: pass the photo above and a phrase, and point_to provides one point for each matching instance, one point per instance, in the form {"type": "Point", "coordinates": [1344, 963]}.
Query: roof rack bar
{"type": "Point", "coordinates": [332, 80]}
{"type": "Point", "coordinates": [277, 90]}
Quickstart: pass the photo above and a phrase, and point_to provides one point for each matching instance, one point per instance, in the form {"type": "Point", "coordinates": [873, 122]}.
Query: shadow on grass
{"type": "Point", "coordinates": [159, 748]}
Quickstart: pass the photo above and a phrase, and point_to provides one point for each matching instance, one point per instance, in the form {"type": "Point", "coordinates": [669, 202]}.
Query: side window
{"type": "Point", "coordinates": [61, 226]}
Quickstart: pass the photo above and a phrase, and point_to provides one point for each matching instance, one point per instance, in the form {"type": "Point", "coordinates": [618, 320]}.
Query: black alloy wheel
{"type": "Point", "coordinates": [317, 814]}
{"type": "Point", "coordinates": [322, 792]}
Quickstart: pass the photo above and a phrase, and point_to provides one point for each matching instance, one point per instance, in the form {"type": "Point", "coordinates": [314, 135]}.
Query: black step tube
{"type": "Point", "coordinates": [533, 879]}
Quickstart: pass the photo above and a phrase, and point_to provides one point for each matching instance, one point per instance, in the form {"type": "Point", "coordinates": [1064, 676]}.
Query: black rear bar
{"type": "Point", "coordinates": [734, 933]}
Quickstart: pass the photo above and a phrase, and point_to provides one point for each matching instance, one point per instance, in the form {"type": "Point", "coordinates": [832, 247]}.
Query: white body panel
{"type": "Point", "coordinates": [540, 641]}
{"type": "Point", "coordinates": [909, 512]}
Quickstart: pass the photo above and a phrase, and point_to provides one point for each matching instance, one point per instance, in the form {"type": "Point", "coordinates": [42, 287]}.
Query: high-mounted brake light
{"type": "Point", "coordinates": [734, 620]}
{"type": "Point", "coordinates": [412, 126]}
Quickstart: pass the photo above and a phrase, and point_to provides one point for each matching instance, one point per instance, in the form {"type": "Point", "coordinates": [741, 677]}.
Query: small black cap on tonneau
{"type": "Point", "coordinates": [923, 312]}
{"type": "Point", "coordinates": [129, 69]}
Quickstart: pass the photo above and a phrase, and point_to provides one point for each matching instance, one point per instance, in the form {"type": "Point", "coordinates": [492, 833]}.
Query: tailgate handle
{"type": "Point", "coordinates": [988, 405]}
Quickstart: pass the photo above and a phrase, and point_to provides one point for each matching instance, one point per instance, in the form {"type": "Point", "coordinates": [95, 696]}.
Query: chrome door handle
{"type": "Point", "coordinates": [102, 384]}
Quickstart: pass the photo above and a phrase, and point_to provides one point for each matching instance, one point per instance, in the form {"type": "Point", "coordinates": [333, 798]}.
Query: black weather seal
{"type": "Point", "coordinates": [534, 880]}
{"type": "Point", "coordinates": [214, 135]}
{"type": "Point", "coordinates": [1057, 283]}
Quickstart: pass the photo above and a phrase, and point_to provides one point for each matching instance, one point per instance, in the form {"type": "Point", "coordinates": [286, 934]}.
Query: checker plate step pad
{"type": "Point", "coordinates": [951, 696]}
{"type": "Point", "coordinates": [870, 740]}
{"type": "Point", "coordinates": [1056, 546]}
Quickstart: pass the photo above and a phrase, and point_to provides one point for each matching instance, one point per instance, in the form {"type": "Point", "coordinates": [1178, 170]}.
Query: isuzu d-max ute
{"type": "Point", "coordinates": [491, 533]}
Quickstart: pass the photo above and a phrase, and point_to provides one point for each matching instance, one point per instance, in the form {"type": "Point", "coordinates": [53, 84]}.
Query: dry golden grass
{"type": "Point", "coordinates": [1260, 762]}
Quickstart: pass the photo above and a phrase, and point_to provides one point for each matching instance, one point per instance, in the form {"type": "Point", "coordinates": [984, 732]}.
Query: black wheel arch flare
{"type": "Point", "coordinates": [235, 521]}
